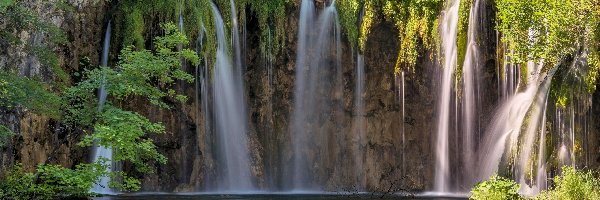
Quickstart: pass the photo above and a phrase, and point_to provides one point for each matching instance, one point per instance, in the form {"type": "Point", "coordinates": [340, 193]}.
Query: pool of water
{"type": "Point", "coordinates": [191, 196]}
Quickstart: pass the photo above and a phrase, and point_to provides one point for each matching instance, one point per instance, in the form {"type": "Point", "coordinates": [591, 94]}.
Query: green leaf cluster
{"type": "Point", "coordinates": [496, 188]}
{"type": "Point", "coordinates": [548, 30]}
{"type": "Point", "coordinates": [125, 133]}
{"type": "Point", "coordinates": [51, 181]}
{"type": "Point", "coordinates": [134, 15]}
{"type": "Point", "coordinates": [145, 74]}
{"type": "Point", "coordinates": [416, 20]}
{"type": "Point", "coordinates": [18, 91]}
{"type": "Point", "coordinates": [573, 185]}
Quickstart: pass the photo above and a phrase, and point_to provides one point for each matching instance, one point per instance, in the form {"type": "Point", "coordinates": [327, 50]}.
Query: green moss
{"type": "Point", "coordinates": [272, 17]}
{"type": "Point", "coordinates": [416, 22]}
{"type": "Point", "coordinates": [138, 16]}
{"type": "Point", "coordinates": [462, 37]}
{"type": "Point", "coordinates": [349, 11]}
{"type": "Point", "coordinates": [368, 20]}
{"type": "Point", "coordinates": [5, 134]}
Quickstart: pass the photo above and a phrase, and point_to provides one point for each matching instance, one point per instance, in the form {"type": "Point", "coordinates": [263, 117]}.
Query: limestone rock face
{"type": "Point", "coordinates": [40, 139]}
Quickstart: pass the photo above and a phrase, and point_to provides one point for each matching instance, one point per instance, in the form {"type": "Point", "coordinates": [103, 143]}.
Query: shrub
{"type": "Point", "coordinates": [50, 181]}
{"type": "Point", "coordinates": [573, 184]}
{"type": "Point", "coordinates": [496, 188]}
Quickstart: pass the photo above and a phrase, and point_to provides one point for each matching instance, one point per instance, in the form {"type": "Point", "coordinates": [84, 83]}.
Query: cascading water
{"type": "Point", "coordinates": [505, 133]}
{"type": "Point", "coordinates": [359, 118]}
{"type": "Point", "coordinates": [237, 55]}
{"type": "Point", "coordinates": [471, 102]}
{"type": "Point", "coordinates": [536, 117]}
{"type": "Point", "coordinates": [101, 151]}
{"type": "Point", "coordinates": [314, 84]}
{"type": "Point", "coordinates": [203, 102]}
{"type": "Point", "coordinates": [230, 115]}
{"type": "Point", "coordinates": [449, 32]}
{"type": "Point", "coordinates": [403, 130]}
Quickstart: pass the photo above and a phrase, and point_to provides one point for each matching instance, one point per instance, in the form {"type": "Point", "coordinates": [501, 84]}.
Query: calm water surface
{"type": "Point", "coordinates": [157, 196]}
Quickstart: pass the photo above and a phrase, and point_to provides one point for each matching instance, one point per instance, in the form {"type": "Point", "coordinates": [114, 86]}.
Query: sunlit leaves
{"type": "Point", "coordinates": [416, 21]}
{"type": "Point", "coordinates": [573, 184]}
{"type": "Point", "coordinates": [349, 11]}
{"type": "Point", "coordinates": [496, 188]}
{"type": "Point", "coordinates": [544, 29]}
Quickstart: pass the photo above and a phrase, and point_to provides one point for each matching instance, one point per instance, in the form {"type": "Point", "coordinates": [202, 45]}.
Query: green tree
{"type": "Point", "coordinates": [143, 74]}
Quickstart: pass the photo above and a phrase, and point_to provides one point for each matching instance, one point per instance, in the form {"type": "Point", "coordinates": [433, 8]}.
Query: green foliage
{"type": "Point", "coordinates": [496, 188]}
{"type": "Point", "coordinates": [51, 181]}
{"type": "Point", "coordinates": [142, 74]}
{"type": "Point", "coordinates": [5, 3]}
{"type": "Point", "coordinates": [271, 20]}
{"type": "Point", "coordinates": [5, 135]}
{"type": "Point", "coordinates": [198, 17]}
{"type": "Point", "coordinates": [594, 48]}
{"type": "Point", "coordinates": [133, 15]}
{"type": "Point", "coordinates": [545, 29]}
{"type": "Point", "coordinates": [21, 18]}
{"type": "Point", "coordinates": [349, 11]}
{"type": "Point", "coordinates": [21, 91]}
{"type": "Point", "coordinates": [416, 20]}
{"type": "Point", "coordinates": [124, 131]}
{"type": "Point", "coordinates": [573, 185]}
{"type": "Point", "coordinates": [464, 11]}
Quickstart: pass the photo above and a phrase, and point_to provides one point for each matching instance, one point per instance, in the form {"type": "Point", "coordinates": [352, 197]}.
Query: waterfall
{"type": "Point", "coordinates": [471, 101]}
{"type": "Point", "coordinates": [230, 115]}
{"type": "Point", "coordinates": [523, 110]}
{"type": "Point", "coordinates": [237, 55]}
{"type": "Point", "coordinates": [403, 129]}
{"type": "Point", "coordinates": [536, 117]}
{"type": "Point", "coordinates": [101, 151]}
{"type": "Point", "coordinates": [203, 103]}
{"type": "Point", "coordinates": [318, 55]}
{"type": "Point", "coordinates": [442, 161]}
{"type": "Point", "coordinates": [359, 119]}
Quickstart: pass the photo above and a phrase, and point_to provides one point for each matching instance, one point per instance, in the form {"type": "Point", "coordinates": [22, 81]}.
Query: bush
{"type": "Point", "coordinates": [573, 184]}
{"type": "Point", "coordinates": [51, 181]}
{"type": "Point", "coordinates": [497, 188]}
